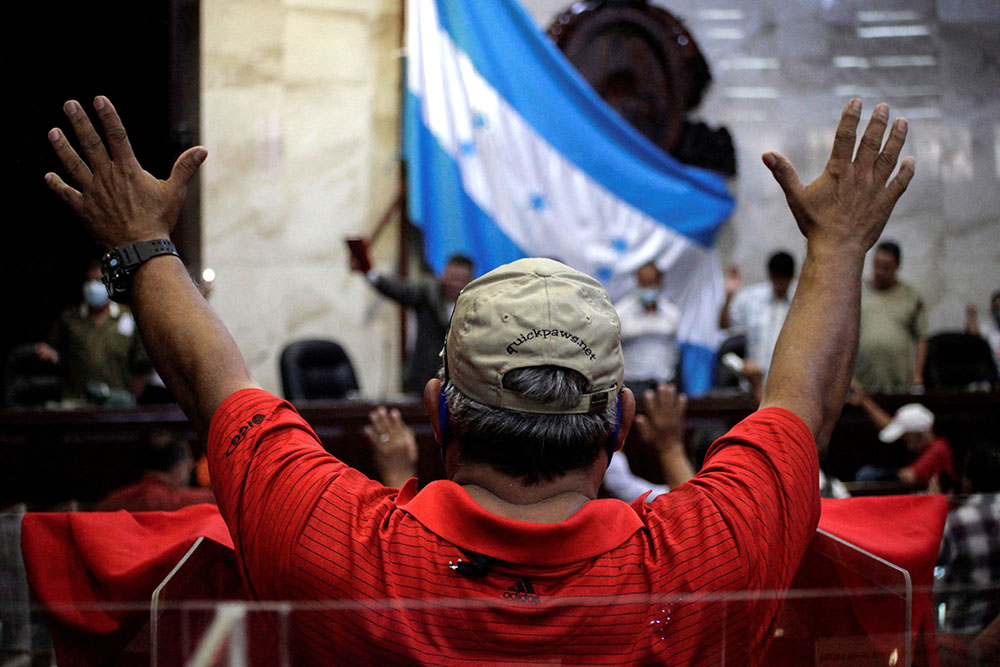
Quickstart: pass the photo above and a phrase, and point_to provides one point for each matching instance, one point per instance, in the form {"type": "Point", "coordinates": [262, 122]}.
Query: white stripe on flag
{"type": "Point", "coordinates": [542, 202]}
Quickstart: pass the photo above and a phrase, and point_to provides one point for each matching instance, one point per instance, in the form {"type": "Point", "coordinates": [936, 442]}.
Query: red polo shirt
{"type": "Point", "coordinates": [682, 580]}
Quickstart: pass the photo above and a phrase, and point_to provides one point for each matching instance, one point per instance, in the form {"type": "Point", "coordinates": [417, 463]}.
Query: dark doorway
{"type": "Point", "coordinates": [145, 57]}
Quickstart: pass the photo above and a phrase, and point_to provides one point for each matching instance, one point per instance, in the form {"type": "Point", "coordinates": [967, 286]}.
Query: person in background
{"type": "Point", "coordinates": [893, 343]}
{"type": "Point", "coordinates": [914, 423]}
{"type": "Point", "coordinates": [165, 483]}
{"type": "Point", "coordinates": [760, 309]}
{"type": "Point", "coordinates": [97, 347]}
{"type": "Point", "coordinates": [660, 426]}
{"type": "Point", "coordinates": [432, 302]}
{"type": "Point", "coordinates": [649, 332]}
{"type": "Point", "coordinates": [987, 325]}
{"type": "Point", "coordinates": [968, 572]}
{"type": "Point", "coordinates": [394, 446]}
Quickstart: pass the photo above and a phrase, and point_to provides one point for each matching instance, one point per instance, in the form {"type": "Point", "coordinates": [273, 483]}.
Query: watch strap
{"type": "Point", "coordinates": [134, 255]}
{"type": "Point", "coordinates": [118, 265]}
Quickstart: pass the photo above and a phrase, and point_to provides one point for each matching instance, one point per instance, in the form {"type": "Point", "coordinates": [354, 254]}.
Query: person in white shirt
{"type": "Point", "coordinates": [987, 325]}
{"type": "Point", "coordinates": [760, 309]}
{"type": "Point", "coordinates": [649, 332]}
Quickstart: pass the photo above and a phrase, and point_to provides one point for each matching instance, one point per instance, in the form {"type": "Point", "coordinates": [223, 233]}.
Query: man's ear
{"type": "Point", "coordinates": [628, 416]}
{"type": "Point", "coordinates": [432, 400]}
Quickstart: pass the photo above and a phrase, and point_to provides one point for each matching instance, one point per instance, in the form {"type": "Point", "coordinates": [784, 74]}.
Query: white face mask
{"type": "Point", "coordinates": [95, 295]}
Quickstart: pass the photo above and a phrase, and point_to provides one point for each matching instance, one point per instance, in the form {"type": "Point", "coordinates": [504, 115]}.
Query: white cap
{"type": "Point", "coordinates": [911, 418]}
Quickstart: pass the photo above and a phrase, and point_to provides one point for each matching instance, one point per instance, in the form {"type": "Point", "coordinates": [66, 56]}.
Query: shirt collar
{"type": "Point", "coordinates": [448, 511]}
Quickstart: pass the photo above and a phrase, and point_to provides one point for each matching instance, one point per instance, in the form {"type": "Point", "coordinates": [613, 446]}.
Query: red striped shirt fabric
{"type": "Point", "coordinates": [406, 577]}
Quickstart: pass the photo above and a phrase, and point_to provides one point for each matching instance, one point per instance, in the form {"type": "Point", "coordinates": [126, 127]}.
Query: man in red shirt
{"type": "Point", "coordinates": [512, 559]}
{"type": "Point", "coordinates": [913, 424]}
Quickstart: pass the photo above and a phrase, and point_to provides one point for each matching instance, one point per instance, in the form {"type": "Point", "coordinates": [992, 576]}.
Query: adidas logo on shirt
{"type": "Point", "coordinates": [522, 591]}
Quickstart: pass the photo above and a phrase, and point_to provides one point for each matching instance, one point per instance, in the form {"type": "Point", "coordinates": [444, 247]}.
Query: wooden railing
{"type": "Point", "coordinates": [50, 456]}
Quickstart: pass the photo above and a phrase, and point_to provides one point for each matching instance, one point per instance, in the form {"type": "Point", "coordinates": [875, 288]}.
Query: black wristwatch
{"type": "Point", "coordinates": [118, 265]}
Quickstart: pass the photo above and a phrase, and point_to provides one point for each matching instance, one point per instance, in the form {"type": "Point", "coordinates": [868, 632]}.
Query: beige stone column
{"type": "Point", "coordinates": [300, 114]}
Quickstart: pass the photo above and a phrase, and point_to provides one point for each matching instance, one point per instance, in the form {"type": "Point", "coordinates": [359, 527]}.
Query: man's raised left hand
{"type": "Point", "coordinates": [117, 199]}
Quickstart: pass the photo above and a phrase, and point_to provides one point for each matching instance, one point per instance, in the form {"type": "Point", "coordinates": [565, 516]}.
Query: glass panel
{"type": "Point", "coordinates": [845, 607]}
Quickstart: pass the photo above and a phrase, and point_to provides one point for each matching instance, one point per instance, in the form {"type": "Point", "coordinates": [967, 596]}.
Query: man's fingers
{"type": "Point", "coordinates": [399, 423]}
{"type": "Point", "coordinates": [379, 418]}
{"type": "Point", "coordinates": [846, 136]}
{"type": "Point", "coordinates": [897, 186]}
{"type": "Point", "coordinates": [114, 132]}
{"type": "Point", "coordinates": [784, 173]}
{"type": "Point", "coordinates": [642, 423]}
{"type": "Point", "coordinates": [90, 141]}
{"type": "Point", "coordinates": [187, 166]}
{"type": "Point", "coordinates": [74, 166]}
{"type": "Point", "coordinates": [395, 423]}
{"type": "Point", "coordinates": [843, 143]}
{"type": "Point", "coordinates": [649, 401]}
{"type": "Point", "coordinates": [669, 398]}
{"type": "Point", "coordinates": [871, 140]}
{"type": "Point", "coordinates": [886, 161]}
{"type": "Point", "coordinates": [70, 195]}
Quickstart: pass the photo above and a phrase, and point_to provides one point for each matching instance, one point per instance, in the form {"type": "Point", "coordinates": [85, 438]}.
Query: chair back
{"type": "Point", "coordinates": [959, 361]}
{"type": "Point", "coordinates": [27, 380]}
{"type": "Point", "coordinates": [315, 370]}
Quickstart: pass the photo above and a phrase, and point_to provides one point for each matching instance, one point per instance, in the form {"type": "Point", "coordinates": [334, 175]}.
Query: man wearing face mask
{"type": "Point", "coordinates": [649, 332]}
{"type": "Point", "coordinates": [97, 347]}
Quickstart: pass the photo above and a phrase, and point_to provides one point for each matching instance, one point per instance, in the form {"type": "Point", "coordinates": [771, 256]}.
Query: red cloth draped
{"type": "Point", "coordinates": [81, 565]}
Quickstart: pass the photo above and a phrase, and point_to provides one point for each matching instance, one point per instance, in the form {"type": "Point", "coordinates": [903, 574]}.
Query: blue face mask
{"type": "Point", "coordinates": [648, 296]}
{"type": "Point", "coordinates": [95, 295]}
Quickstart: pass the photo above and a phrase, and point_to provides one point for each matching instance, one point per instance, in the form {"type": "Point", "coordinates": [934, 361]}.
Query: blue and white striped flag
{"type": "Point", "coordinates": [511, 154]}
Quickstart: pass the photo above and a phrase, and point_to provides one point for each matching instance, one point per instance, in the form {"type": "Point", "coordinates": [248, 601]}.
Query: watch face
{"type": "Point", "coordinates": [114, 276]}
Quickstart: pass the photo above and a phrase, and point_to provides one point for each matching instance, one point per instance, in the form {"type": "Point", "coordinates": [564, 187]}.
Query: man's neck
{"type": "Point", "coordinates": [544, 502]}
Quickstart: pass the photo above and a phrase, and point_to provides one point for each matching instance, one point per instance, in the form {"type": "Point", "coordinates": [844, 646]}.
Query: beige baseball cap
{"type": "Point", "coordinates": [534, 312]}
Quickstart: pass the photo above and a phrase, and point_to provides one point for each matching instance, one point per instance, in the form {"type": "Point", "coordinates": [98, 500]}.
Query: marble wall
{"type": "Point", "coordinates": [300, 104]}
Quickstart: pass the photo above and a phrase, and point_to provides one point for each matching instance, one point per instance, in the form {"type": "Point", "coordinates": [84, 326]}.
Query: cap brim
{"type": "Point", "coordinates": [892, 432]}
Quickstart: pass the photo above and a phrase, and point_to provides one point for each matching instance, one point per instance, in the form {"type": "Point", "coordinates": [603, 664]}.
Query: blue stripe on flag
{"type": "Point", "coordinates": [697, 368]}
{"type": "Point", "coordinates": [508, 49]}
{"type": "Point", "coordinates": [435, 193]}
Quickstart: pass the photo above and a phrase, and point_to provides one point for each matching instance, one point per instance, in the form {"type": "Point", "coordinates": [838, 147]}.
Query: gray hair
{"type": "Point", "coordinates": [528, 445]}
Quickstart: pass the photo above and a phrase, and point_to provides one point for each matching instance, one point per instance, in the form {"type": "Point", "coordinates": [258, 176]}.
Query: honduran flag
{"type": "Point", "coordinates": [510, 154]}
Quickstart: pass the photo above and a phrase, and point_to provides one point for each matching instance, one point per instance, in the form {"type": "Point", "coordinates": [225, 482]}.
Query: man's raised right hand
{"type": "Point", "coordinates": [850, 202]}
